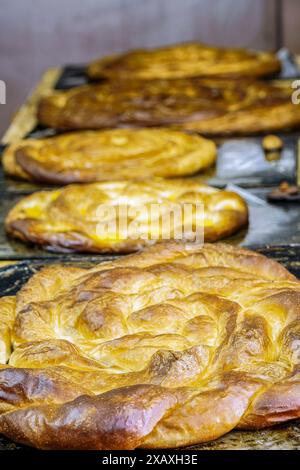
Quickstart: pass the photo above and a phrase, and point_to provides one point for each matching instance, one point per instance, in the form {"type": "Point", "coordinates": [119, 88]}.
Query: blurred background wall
{"type": "Point", "coordinates": [37, 34]}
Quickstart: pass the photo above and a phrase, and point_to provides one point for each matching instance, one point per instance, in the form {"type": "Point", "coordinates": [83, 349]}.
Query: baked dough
{"type": "Point", "coordinates": [89, 156]}
{"type": "Point", "coordinates": [208, 106]}
{"type": "Point", "coordinates": [68, 218]}
{"type": "Point", "coordinates": [185, 60]}
{"type": "Point", "coordinates": [172, 347]}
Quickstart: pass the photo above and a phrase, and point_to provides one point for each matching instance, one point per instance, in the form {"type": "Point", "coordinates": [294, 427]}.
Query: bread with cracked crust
{"type": "Point", "coordinates": [208, 106]}
{"type": "Point", "coordinates": [185, 60]}
{"type": "Point", "coordinates": [170, 347]}
{"type": "Point", "coordinates": [88, 156]}
{"type": "Point", "coordinates": [90, 217]}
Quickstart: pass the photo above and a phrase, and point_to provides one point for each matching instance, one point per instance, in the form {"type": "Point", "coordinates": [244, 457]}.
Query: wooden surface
{"type": "Point", "coordinates": [6, 263]}
{"type": "Point", "coordinates": [25, 119]}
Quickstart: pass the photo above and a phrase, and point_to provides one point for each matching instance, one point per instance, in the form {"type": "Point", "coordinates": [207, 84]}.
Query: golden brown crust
{"type": "Point", "coordinates": [208, 106]}
{"type": "Point", "coordinates": [173, 346]}
{"type": "Point", "coordinates": [68, 218]}
{"type": "Point", "coordinates": [7, 317]}
{"type": "Point", "coordinates": [89, 156]}
{"type": "Point", "coordinates": [185, 60]}
{"type": "Point", "coordinates": [10, 165]}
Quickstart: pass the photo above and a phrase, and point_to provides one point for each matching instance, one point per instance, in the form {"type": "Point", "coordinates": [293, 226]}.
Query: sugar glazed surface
{"type": "Point", "coordinates": [170, 347]}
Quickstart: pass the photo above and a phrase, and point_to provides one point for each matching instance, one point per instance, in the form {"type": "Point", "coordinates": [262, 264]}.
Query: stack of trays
{"type": "Point", "coordinates": [181, 124]}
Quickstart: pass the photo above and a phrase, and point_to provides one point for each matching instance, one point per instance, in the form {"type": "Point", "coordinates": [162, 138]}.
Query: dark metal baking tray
{"type": "Point", "coordinates": [286, 436]}
{"type": "Point", "coordinates": [275, 224]}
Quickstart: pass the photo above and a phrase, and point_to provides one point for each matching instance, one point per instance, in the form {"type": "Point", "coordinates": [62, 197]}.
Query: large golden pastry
{"type": "Point", "coordinates": [90, 217]}
{"type": "Point", "coordinates": [89, 156]}
{"type": "Point", "coordinates": [171, 347]}
{"type": "Point", "coordinates": [208, 106]}
{"type": "Point", "coordinates": [185, 60]}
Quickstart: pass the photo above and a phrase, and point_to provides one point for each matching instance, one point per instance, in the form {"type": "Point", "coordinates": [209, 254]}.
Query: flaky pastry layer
{"type": "Point", "coordinates": [170, 347]}
{"type": "Point", "coordinates": [185, 60]}
{"type": "Point", "coordinates": [89, 156]}
{"type": "Point", "coordinates": [68, 219]}
{"type": "Point", "coordinates": [207, 106]}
